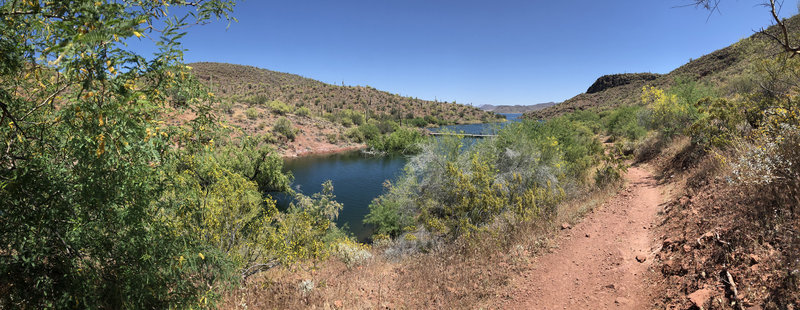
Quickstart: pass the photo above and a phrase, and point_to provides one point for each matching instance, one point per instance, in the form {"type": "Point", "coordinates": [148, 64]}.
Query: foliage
{"type": "Point", "coordinates": [85, 157]}
{"type": "Point", "coordinates": [387, 213]}
{"type": "Point", "coordinates": [279, 107]}
{"type": "Point", "coordinates": [303, 111]}
{"type": "Point", "coordinates": [352, 253]}
{"type": "Point", "coordinates": [284, 127]}
{"type": "Point", "coordinates": [455, 190]}
{"type": "Point", "coordinates": [252, 113]}
{"type": "Point", "coordinates": [720, 122]}
{"type": "Point", "coordinates": [306, 230]}
{"type": "Point", "coordinates": [613, 167]}
{"type": "Point", "coordinates": [623, 122]}
{"type": "Point", "coordinates": [669, 114]}
{"type": "Point", "coordinates": [251, 157]}
{"type": "Point", "coordinates": [403, 140]}
{"type": "Point", "coordinates": [771, 164]}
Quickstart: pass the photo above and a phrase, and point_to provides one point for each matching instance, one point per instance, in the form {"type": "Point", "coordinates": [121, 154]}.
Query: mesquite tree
{"type": "Point", "coordinates": [83, 150]}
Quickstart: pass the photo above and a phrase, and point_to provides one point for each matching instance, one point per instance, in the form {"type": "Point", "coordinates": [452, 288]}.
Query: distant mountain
{"type": "Point", "coordinates": [721, 68]}
{"type": "Point", "coordinates": [516, 108]}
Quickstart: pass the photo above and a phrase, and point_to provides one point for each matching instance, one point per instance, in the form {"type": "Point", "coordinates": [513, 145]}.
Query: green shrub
{"type": "Point", "coordinates": [403, 140]}
{"type": "Point", "coordinates": [284, 127]}
{"type": "Point", "coordinates": [673, 112]}
{"type": "Point", "coordinates": [349, 118]}
{"type": "Point", "coordinates": [455, 190]}
{"type": "Point", "coordinates": [332, 138]}
{"type": "Point", "coordinates": [252, 113]}
{"type": "Point", "coordinates": [354, 135]}
{"type": "Point", "coordinates": [259, 99]}
{"type": "Point", "coordinates": [623, 122]}
{"type": "Point", "coordinates": [369, 131]}
{"type": "Point", "coordinates": [279, 107]}
{"type": "Point", "coordinates": [303, 112]}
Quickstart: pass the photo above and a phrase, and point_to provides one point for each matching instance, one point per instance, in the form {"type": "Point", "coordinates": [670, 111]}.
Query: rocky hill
{"type": "Point", "coordinates": [321, 117]}
{"type": "Point", "coordinates": [718, 69]}
{"type": "Point", "coordinates": [238, 83]}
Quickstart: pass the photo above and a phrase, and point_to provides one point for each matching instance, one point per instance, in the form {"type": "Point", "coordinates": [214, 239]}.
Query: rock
{"type": "Point", "coordinates": [621, 301]}
{"type": "Point", "coordinates": [614, 80]}
{"type": "Point", "coordinates": [641, 258]}
{"type": "Point", "coordinates": [701, 297]}
{"type": "Point", "coordinates": [338, 304]}
{"type": "Point", "coordinates": [566, 226]}
{"type": "Point", "coordinates": [587, 235]}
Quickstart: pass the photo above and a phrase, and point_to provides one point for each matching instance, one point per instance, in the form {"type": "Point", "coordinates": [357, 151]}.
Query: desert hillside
{"type": "Point", "coordinates": [323, 117]}
{"type": "Point", "coordinates": [721, 69]}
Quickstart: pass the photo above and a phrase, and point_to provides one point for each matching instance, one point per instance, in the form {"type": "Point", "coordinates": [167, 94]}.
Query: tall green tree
{"type": "Point", "coordinates": [84, 142]}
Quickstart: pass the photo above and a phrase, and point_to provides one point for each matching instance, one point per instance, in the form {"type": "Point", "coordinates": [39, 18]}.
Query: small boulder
{"type": "Point", "coordinates": [641, 258]}
{"type": "Point", "coordinates": [701, 297]}
{"type": "Point", "coordinates": [566, 226]}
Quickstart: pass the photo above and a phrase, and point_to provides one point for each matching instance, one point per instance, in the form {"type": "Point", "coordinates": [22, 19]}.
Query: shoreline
{"type": "Point", "coordinates": [290, 153]}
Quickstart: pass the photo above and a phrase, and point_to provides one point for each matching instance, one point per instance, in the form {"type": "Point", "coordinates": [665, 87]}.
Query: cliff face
{"type": "Point", "coordinates": [614, 80]}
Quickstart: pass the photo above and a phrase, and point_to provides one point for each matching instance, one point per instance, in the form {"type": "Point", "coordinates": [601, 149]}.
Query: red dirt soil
{"type": "Point", "coordinates": [604, 261]}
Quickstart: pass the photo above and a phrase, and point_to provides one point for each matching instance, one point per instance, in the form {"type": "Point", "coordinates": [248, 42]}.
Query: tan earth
{"type": "Point", "coordinates": [602, 262]}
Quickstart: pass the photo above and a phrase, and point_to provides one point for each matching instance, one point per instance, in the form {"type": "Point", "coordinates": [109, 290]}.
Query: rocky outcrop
{"type": "Point", "coordinates": [614, 80]}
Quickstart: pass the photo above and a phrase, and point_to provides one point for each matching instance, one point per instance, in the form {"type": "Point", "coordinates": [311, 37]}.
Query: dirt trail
{"type": "Point", "coordinates": [602, 262]}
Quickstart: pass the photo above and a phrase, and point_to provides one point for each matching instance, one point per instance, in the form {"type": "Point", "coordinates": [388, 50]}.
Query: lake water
{"type": "Point", "coordinates": [357, 178]}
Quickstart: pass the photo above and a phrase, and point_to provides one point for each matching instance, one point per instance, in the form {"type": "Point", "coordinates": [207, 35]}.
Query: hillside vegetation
{"type": "Point", "coordinates": [722, 69]}
{"type": "Point", "coordinates": [323, 117]}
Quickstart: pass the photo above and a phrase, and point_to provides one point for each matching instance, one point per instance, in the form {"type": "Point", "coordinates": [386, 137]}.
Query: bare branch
{"type": "Point", "coordinates": [259, 268]}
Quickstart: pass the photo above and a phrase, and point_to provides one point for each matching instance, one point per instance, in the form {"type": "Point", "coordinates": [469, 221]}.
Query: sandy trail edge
{"type": "Point", "coordinates": [597, 265]}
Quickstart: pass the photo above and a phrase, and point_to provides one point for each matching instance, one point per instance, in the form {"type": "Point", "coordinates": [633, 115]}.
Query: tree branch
{"type": "Point", "coordinates": [259, 268]}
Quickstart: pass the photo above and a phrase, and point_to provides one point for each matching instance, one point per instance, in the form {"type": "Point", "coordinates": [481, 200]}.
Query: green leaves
{"type": "Point", "coordinates": [83, 162]}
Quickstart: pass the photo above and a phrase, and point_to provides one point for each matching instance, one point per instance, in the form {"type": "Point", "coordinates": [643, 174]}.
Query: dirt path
{"type": "Point", "coordinates": [602, 262]}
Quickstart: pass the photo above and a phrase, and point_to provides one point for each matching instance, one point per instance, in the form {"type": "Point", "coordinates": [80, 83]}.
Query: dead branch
{"type": "Point", "coordinates": [259, 268]}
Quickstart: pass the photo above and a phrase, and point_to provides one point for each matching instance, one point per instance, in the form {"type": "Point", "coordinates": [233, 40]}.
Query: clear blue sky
{"type": "Point", "coordinates": [480, 52]}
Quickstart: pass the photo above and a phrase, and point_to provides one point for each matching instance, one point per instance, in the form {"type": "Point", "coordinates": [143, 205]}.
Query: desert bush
{"type": "Point", "coordinates": [771, 161]}
{"type": "Point", "coordinates": [669, 115]}
{"type": "Point", "coordinates": [369, 130]}
{"type": "Point", "coordinates": [403, 140]}
{"type": "Point", "coordinates": [303, 112]}
{"type": "Point", "coordinates": [252, 113]}
{"type": "Point", "coordinates": [279, 107]}
{"type": "Point", "coordinates": [623, 122]}
{"type": "Point", "coordinates": [284, 127]}
{"type": "Point", "coordinates": [389, 213]}
{"type": "Point", "coordinates": [259, 100]}
{"type": "Point", "coordinates": [455, 190]}
{"type": "Point", "coordinates": [349, 118]}
{"type": "Point", "coordinates": [612, 169]}
{"type": "Point", "coordinates": [720, 123]}
{"type": "Point", "coordinates": [332, 137]}
{"type": "Point", "coordinates": [352, 253]}
{"type": "Point", "coordinates": [354, 135]}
